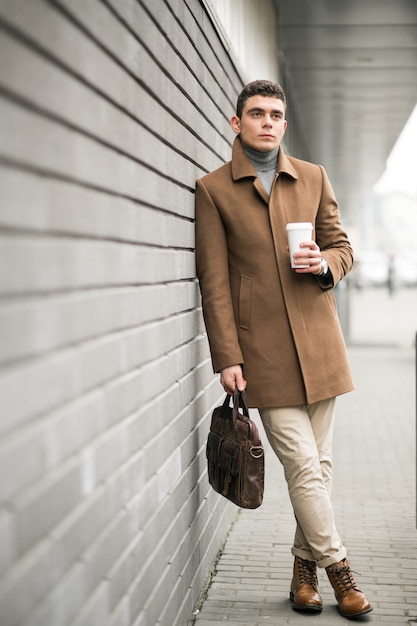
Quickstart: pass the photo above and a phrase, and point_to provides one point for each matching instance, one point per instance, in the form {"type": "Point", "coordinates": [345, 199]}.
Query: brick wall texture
{"type": "Point", "coordinates": [109, 111]}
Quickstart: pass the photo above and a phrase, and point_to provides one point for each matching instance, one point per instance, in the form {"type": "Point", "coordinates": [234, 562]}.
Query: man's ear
{"type": "Point", "coordinates": [235, 123]}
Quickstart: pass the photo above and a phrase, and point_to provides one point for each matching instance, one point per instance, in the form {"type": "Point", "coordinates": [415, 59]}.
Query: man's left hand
{"type": "Point", "coordinates": [311, 256]}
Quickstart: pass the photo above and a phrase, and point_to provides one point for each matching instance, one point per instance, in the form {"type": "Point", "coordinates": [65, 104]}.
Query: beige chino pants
{"type": "Point", "coordinates": [302, 437]}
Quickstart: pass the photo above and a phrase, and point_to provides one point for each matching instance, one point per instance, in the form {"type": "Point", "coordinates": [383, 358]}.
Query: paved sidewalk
{"type": "Point", "coordinates": [374, 502]}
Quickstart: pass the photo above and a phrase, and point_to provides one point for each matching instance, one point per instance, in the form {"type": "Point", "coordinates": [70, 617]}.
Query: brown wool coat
{"type": "Point", "coordinates": [281, 326]}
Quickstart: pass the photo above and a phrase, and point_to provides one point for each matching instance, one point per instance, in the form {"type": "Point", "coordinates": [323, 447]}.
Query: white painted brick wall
{"type": "Point", "coordinates": [109, 112]}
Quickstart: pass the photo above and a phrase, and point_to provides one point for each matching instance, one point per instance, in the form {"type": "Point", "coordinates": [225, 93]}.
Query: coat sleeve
{"type": "Point", "coordinates": [331, 236]}
{"type": "Point", "coordinates": [213, 273]}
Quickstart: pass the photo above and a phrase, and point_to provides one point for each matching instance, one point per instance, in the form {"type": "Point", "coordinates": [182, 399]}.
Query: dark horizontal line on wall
{"type": "Point", "coordinates": [181, 56]}
{"type": "Point", "coordinates": [30, 43]}
{"type": "Point", "coordinates": [70, 16]}
{"type": "Point", "coordinates": [36, 109]}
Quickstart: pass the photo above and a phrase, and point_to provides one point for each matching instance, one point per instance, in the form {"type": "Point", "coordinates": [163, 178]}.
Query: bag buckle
{"type": "Point", "coordinates": [256, 452]}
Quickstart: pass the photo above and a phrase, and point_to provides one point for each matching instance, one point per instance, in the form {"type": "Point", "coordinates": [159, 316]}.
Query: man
{"type": "Point", "coordinates": [274, 330]}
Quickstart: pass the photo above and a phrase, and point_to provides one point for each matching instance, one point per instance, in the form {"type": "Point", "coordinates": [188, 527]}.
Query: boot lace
{"type": "Point", "coordinates": [344, 578]}
{"type": "Point", "coordinates": [308, 573]}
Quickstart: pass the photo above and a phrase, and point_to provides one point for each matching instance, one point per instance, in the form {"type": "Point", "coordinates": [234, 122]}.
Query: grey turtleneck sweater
{"type": "Point", "coordinates": [265, 164]}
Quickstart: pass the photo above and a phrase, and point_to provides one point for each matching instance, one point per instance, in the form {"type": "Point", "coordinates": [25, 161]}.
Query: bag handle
{"type": "Point", "coordinates": [239, 402]}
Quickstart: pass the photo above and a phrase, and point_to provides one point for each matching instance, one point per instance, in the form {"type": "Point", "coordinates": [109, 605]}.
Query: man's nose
{"type": "Point", "coordinates": [267, 120]}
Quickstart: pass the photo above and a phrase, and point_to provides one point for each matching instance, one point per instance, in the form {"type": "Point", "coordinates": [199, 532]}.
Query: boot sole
{"type": "Point", "coordinates": [355, 615]}
{"type": "Point", "coordinates": [304, 607]}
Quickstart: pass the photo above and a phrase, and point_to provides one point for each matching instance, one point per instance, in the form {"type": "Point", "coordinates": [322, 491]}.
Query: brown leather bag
{"type": "Point", "coordinates": [235, 455]}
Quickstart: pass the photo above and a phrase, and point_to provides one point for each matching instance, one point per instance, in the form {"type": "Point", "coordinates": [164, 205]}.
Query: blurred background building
{"type": "Point", "coordinates": [109, 111]}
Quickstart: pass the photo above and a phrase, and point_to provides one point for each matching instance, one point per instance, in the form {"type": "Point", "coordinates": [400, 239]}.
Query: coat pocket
{"type": "Point", "coordinates": [245, 301]}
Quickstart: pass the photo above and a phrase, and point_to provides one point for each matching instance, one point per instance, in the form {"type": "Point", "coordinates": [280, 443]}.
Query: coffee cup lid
{"type": "Point", "coordinates": [298, 225]}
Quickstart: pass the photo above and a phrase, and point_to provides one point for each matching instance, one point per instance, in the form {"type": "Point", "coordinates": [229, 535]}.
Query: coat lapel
{"type": "Point", "coordinates": [243, 168]}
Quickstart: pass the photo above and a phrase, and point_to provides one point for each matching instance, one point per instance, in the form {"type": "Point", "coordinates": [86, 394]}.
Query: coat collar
{"type": "Point", "coordinates": [243, 168]}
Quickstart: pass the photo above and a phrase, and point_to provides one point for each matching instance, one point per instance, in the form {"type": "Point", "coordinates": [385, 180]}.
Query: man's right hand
{"type": "Point", "coordinates": [232, 377]}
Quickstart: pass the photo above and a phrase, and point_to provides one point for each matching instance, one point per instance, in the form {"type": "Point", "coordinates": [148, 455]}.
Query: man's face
{"type": "Point", "coordinates": [262, 125]}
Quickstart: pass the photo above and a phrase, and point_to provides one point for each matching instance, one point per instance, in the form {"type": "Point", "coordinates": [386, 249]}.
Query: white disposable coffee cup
{"type": "Point", "coordinates": [298, 232]}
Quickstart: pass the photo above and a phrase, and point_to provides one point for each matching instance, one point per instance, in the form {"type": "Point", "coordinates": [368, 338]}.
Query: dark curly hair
{"type": "Point", "coordinates": [259, 88]}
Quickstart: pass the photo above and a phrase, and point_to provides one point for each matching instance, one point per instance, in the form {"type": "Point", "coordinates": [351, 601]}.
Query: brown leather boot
{"type": "Point", "coordinates": [304, 593]}
{"type": "Point", "coordinates": [350, 599]}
